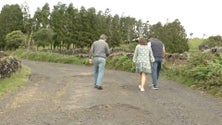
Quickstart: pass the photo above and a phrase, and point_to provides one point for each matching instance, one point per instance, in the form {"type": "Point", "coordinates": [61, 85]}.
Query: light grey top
{"type": "Point", "coordinates": [99, 49]}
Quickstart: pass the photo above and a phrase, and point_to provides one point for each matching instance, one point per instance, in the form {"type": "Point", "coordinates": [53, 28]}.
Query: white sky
{"type": "Point", "coordinates": [197, 16]}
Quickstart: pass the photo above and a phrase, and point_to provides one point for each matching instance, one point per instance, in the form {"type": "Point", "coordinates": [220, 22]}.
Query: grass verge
{"type": "Point", "coordinates": [15, 81]}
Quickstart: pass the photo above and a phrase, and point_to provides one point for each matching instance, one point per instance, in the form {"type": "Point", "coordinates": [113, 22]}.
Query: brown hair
{"type": "Point", "coordinates": [142, 41]}
{"type": "Point", "coordinates": [103, 37]}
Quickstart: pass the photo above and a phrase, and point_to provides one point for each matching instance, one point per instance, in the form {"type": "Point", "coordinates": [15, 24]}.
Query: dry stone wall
{"type": "Point", "coordinates": [8, 65]}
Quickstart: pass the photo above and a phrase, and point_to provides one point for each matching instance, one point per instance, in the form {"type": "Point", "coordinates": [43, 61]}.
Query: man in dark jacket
{"type": "Point", "coordinates": [158, 53]}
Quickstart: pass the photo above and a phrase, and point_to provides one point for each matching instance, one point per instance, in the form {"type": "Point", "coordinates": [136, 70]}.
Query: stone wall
{"type": "Point", "coordinates": [8, 65]}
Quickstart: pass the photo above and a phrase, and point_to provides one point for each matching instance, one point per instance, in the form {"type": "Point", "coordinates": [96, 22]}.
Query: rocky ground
{"type": "Point", "coordinates": [63, 94]}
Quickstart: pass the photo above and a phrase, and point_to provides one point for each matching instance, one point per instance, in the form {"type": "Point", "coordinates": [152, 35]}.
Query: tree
{"type": "Point", "coordinates": [45, 15]}
{"type": "Point", "coordinates": [72, 23]}
{"type": "Point", "coordinates": [37, 20]}
{"type": "Point", "coordinates": [115, 35]}
{"type": "Point", "coordinates": [43, 37]}
{"type": "Point", "coordinates": [156, 30]}
{"type": "Point", "coordinates": [93, 24]}
{"type": "Point", "coordinates": [14, 39]}
{"type": "Point", "coordinates": [59, 25]}
{"type": "Point", "coordinates": [127, 28]}
{"type": "Point", "coordinates": [28, 24]}
{"type": "Point", "coordinates": [146, 27]}
{"type": "Point", "coordinates": [173, 36]}
{"type": "Point", "coordinates": [84, 28]}
{"type": "Point", "coordinates": [139, 29]}
{"type": "Point", "coordinates": [11, 19]}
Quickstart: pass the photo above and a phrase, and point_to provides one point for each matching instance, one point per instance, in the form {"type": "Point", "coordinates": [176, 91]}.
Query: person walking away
{"type": "Point", "coordinates": [143, 57]}
{"type": "Point", "coordinates": [98, 52]}
{"type": "Point", "coordinates": [158, 49]}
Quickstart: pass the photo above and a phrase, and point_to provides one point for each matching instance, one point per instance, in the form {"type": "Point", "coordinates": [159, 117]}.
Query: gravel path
{"type": "Point", "coordinates": [63, 94]}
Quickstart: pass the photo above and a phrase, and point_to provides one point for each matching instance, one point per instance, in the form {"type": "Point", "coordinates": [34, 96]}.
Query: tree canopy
{"type": "Point", "coordinates": [11, 19]}
{"type": "Point", "coordinates": [67, 27]}
{"type": "Point", "coordinates": [14, 39]}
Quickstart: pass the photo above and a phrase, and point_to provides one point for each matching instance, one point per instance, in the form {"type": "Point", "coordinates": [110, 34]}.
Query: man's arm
{"type": "Point", "coordinates": [91, 55]}
{"type": "Point", "coordinates": [164, 51]}
{"type": "Point", "coordinates": [107, 50]}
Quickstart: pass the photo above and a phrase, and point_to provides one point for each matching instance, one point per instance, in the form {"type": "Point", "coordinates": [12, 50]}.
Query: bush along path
{"type": "Point", "coordinates": [63, 94]}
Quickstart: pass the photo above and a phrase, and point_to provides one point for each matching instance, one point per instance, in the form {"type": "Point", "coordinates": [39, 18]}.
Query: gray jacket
{"type": "Point", "coordinates": [99, 49]}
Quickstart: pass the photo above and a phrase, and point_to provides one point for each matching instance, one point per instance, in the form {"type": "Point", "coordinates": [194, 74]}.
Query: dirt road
{"type": "Point", "coordinates": [63, 94]}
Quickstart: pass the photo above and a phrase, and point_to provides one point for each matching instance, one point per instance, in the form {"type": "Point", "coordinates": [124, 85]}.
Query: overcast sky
{"type": "Point", "coordinates": [197, 16]}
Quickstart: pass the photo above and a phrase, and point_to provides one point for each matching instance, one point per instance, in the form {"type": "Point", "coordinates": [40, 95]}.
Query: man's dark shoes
{"type": "Point", "coordinates": [99, 87]}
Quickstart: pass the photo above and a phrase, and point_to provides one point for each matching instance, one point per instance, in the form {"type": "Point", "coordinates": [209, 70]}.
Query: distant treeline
{"type": "Point", "coordinates": [67, 27]}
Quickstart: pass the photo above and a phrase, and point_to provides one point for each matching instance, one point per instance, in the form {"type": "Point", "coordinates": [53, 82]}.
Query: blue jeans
{"type": "Point", "coordinates": [99, 68]}
{"type": "Point", "coordinates": [156, 70]}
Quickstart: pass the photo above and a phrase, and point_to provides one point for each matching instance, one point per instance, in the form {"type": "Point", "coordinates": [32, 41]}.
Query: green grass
{"type": "Point", "coordinates": [15, 81]}
{"type": "Point", "coordinates": [49, 57]}
{"type": "Point", "coordinates": [194, 44]}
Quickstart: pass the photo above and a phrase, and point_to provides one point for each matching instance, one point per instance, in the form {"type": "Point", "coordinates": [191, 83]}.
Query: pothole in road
{"type": "Point", "coordinates": [114, 113]}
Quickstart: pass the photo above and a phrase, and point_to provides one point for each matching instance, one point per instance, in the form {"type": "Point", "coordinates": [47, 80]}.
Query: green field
{"type": "Point", "coordinates": [194, 44]}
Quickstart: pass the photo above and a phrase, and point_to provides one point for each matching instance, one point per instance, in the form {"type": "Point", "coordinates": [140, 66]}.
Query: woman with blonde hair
{"type": "Point", "coordinates": [143, 59]}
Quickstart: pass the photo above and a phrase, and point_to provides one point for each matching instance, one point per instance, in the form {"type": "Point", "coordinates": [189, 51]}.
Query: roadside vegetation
{"type": "Point", "coordinates": [202, 70]}
{"type": "Point", "coordinates": [15, 81]}
{"type": "Point", "coordinates": [48, 57]}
